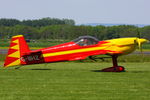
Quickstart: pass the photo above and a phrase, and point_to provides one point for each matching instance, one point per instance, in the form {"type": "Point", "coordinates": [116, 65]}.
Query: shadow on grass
{"type": "Point", "coordinates": [96, 70]}
{"type": "Point", "coordinates": [123, 72]}
{"type": "Point", "coordinates": [104, 72]}
{"type": "Point", "coordinates": [40, 69]}
{"type": "Point", "coordinates": [19, 67]}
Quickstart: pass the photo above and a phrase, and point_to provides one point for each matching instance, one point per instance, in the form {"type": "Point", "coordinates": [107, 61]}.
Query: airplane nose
{"type": "Point", "coordinates": [141, 40]}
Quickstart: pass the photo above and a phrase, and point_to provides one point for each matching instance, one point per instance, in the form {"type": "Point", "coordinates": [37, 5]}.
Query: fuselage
{"type": "Point", "coordinates": [78, 50]}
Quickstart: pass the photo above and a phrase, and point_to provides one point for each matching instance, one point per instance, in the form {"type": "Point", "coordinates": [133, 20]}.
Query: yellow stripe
{"type": "Point", "coordinates": [73, 51]}
{"type": "Point", "coordinates": [17, 36]}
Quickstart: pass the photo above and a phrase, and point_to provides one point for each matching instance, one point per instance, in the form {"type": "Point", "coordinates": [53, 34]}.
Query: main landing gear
{"type": "Point", "coordinates": [115, 67]}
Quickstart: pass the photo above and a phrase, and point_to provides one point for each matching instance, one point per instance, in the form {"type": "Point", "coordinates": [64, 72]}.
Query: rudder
{"type": "Point", "coordinates": [18, 47]}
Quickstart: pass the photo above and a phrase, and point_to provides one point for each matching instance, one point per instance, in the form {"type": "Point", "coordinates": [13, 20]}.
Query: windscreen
{"type": "Point", "coordinates": [86, 40]}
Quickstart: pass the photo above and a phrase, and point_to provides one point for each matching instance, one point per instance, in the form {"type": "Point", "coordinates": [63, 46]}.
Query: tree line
{"type": "Point", "coordinates": [36, 22]}
{"type": "Point", "coordinates": [52, 28]}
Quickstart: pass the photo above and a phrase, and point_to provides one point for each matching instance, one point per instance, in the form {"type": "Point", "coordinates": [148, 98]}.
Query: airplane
{"type": "Point", "coordinates": [78, 49]}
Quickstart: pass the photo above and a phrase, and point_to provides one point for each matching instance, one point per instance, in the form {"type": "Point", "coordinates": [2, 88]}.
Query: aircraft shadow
{"type": "Point", "coordinates": [103, 71]}
{"type": "Point", "coordinates": [96, 70]}
{"type": "Point", "coordinates": [124, 71]}
{"type": "Point", "coordinates": [40, 69]}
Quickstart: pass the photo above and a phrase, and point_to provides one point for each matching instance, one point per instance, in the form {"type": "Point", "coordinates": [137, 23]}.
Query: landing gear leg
{"type": "Point", "coordinates": [115, 67]}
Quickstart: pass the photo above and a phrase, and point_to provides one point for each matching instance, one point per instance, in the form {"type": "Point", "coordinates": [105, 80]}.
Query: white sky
{"type": "Point", "coordinates": [82, 11]}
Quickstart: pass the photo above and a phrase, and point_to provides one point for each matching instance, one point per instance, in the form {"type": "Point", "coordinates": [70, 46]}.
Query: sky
{"type": "Point", "coordinates": [81, 11]}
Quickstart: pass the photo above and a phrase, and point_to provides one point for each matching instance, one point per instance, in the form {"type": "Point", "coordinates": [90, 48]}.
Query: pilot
{"type": "Point", "coordinates": [84, 42]}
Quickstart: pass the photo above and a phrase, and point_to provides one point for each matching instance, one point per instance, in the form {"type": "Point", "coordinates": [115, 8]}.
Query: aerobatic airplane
{"type": "Point", "coordinates": [78, 49]}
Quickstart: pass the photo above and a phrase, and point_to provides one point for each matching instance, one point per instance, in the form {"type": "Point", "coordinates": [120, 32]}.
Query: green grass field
{"type": "Point", "coordinates": [75, 81]}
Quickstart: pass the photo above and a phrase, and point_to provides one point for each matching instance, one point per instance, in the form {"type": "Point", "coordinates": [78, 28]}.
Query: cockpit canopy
{"type": "Point", "coordinates": [86, 40]}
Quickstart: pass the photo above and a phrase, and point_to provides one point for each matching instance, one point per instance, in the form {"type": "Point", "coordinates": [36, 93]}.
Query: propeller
{"type": "Point", "coordinates": [139, 45]}
{"type": "Point", "coordinates": [139, 42]}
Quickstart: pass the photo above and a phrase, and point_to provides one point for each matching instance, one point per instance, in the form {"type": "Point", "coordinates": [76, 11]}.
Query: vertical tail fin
{"type": "Point", "coordinates": [18, 47]}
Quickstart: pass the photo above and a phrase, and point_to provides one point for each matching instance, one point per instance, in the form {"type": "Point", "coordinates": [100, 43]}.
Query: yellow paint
{"type": "Point", "coordinates": [15, 41]}
{"type": "Point", "coordinates": [122, 41]}
{"type": "Point", "coordinates": [15, 47]}
{"type": "Point", "coordinates": [17, 36]}
{"type": "Point", "coordinates": [15, 54]}
{"type": "Point", "coordinates": [73, 51]}
{"type": "Point", "coordinates": [17, 62]}
{"type": "Point", "coordinates": [124, 45]}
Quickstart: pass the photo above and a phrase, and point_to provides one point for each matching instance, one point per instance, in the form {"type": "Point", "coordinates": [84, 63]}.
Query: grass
{"type": "Point", "coordinates": [146, 46]}
{"type": "Point", "coordinates": [75, 81]}
{"type": "Point", "coordinates": [2, 57]}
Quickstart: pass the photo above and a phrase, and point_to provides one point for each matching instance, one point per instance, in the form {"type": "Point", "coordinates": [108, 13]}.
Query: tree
{"type": "Point", "coordinates": [27, 31]}
{"type": "Point", "coordinates": [145, 32]}
{"type": "Point", "coordinates": [9, 22]}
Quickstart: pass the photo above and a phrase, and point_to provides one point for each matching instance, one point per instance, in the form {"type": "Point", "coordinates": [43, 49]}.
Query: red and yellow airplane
{"type": "Point", "coordinates": [78, 49]}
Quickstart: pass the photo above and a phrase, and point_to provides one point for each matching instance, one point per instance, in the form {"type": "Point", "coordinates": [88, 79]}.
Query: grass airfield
{"type": "Point", "coordinates": [75, 81]}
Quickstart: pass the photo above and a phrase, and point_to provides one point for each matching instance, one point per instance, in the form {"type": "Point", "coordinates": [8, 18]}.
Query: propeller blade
{"type": "Point", "coordinates": [140, 46]}
{"type": "Point", "coordinates": [139, 42]}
